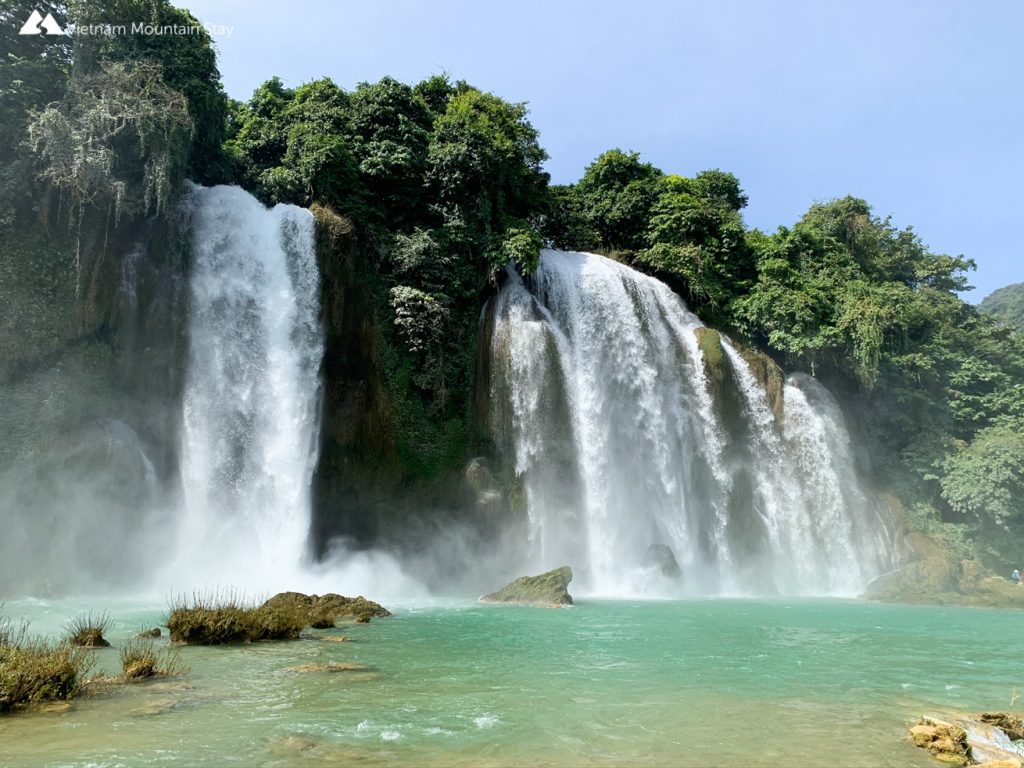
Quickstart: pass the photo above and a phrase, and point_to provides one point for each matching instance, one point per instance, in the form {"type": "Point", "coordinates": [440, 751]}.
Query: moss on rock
{"type": "Point", "coordinates": [716, 364]}
{"type": "Point", "coordinates": [548, 590]}
{"type": "Point", "coordinates": [768, 375]}
{"type": "Point", "coordinates": [229, 622]}
{"type": "Point", "coordinates": [322, 611]}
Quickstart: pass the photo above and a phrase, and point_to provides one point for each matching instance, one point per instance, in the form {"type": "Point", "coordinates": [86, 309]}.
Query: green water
{"type": "Point", "coordinates": [702, 683]}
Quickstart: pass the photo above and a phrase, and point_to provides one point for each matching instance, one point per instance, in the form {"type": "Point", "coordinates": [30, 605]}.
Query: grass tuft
{"type": "Point", "coordinates": [220, 618]}
{"type": "Point", "coordinates": [88, 629]}
{"type": "Point", "coordinates": [140, 659]}
{"type": "Point", "coordinates": [36, 671]}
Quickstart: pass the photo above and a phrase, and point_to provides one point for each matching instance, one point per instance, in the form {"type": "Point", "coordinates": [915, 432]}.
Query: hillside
{"type": "Point", "coordinates": [1006, 305]}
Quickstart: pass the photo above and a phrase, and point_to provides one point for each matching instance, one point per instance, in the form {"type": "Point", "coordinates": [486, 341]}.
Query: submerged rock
{"type": "Point", "coordinates": [548, 590]}
{"type": "Point", "coordinates": [331, 666]}
{"type": "Point", "coordinates": [151, 633]}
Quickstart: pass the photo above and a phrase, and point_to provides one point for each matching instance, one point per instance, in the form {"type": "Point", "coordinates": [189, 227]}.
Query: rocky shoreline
{"type": "Point", "coordinates": [988, 739]}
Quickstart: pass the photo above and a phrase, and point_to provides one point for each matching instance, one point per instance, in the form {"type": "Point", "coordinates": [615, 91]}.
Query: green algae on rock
{"type": "Point", "coordinates": [548, 590]}
{"type": "Point", "coordinates": [322, 611]}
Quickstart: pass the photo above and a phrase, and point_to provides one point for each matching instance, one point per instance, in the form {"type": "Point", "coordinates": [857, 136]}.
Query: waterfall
{"type": "Point", "coordinates": [252, 390]}
{"type": "Point", "coordinates": [646, 475]}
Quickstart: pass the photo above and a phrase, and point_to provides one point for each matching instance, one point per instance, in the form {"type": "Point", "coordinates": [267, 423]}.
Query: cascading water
{"type": "Point", "coordinates": [252, 392]}
{"type": "Point", "coordinates": [642, 472]}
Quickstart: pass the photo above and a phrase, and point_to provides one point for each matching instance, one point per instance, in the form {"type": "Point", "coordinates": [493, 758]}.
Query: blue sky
{"type": "Point", "coordinates": [914, 105]}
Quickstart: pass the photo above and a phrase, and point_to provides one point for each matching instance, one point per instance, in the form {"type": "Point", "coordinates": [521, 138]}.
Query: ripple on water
{"type": "Point", "coordinates": [471, 687]}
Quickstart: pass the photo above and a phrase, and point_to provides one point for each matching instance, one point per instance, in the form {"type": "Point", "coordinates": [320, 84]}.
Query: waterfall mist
{"type": "Point", "coordinates": [647, 475]}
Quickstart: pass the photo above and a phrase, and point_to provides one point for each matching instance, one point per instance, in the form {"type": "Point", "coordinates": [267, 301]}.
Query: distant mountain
{"type": "Point", "coordinates": [1006, 305]}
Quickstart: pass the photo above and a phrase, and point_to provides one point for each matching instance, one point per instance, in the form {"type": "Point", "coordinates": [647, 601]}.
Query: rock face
{"type": "Point", "coordinates": [991, 739]}
{"type": "Point", "coordinates": [548, 590]}
{"type": "Point", "coordinates": [934, 576]}
{"type": "Point", "coordinates": [322, 611]}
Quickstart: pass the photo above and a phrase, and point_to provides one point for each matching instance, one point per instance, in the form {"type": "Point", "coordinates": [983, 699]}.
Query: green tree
{"type": "Point", "coordinates": [33, 72]}
{"type": "Point", "coordinates": [617, 192]}
{"type": "Point", "coordinates": [985, 479]}
{"type": "Point", "coordinates": [188, 64]}
{"type": "Point", "coordinates": [119, 139]}
{"type": "Point", "coordinates": [697, 239]}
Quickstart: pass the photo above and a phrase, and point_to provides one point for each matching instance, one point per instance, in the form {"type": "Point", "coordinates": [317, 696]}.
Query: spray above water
{"type": "Point", "coordinates": [642, 471]}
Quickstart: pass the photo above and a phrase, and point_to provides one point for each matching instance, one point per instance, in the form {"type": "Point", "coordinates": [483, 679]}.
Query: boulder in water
{"type": "Point", "coordinates": [322, 611]}
{"type": "Point", "coordinates": [150, 633]}
{"type": "Point", "coordinates": [946, 741]}
{"type": "Point", "coordinates": [548, 590]}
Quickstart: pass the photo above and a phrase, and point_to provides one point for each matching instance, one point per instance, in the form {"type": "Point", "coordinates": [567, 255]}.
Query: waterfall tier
{"type": "Point", "coordinates": [252, 391]}
{"type": "Point", "coordinates": [651, 469]}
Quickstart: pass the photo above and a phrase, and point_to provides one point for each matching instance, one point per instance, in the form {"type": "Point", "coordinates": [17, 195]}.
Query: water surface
{"type": "Point", "coordinates": [698, 683]}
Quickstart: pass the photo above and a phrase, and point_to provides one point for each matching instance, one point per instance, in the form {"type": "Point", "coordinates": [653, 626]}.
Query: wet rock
{"type": "Point", "coordinates": [991, 739]}
{"type": "Point", "coordinates": [548, 590]}
{"type": "Point", "coordinates": [1010, 724]}
{"type": "Point", "coordinates": [946, 741]}
{"type": "Point", "coordinates": [89, 638]}
{"type": "Point", "coordinates": [322, 611]}
{"type": "Point", "coordinates": [150, 633]}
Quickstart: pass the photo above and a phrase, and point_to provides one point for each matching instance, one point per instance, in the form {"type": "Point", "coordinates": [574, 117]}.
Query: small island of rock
{"type": "Point", "coordinates": [548, 590]}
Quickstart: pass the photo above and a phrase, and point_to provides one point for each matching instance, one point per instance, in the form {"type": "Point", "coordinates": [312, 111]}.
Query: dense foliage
{"type": "Point", "coordinates": [1006, 306]}
{"type": "Point", "coordinates": [444, 184]}
{"type": "Point", "coordinates": [115, 121]}
{"type": "Point", "coordinates": [939, 388]}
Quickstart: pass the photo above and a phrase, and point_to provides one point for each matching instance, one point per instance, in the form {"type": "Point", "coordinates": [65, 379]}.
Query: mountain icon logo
{"type": "Point", "coordinates": [37, 24]}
